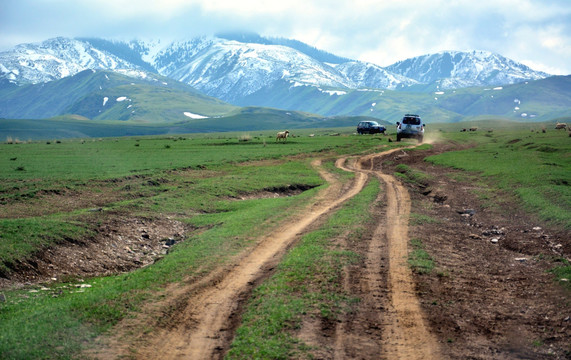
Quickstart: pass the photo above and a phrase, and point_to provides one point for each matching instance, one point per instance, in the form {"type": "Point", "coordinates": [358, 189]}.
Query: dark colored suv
{"type": "Point", "coordinates": [411, 127]}
{"type": "Point", "coordinates": [370, 127]}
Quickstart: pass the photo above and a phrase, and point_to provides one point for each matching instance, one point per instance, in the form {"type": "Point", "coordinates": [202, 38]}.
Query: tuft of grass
{"type": "Point", "coordinates": [418, 259]}
{"type": "Point", "coordinates": [421, 219]}
{"type": "Point", "coordinates": [412, 176]}
{"type": "Point", "coordinates": [537, 343]}
{"type": "Point", "coordinates": [562, 272]}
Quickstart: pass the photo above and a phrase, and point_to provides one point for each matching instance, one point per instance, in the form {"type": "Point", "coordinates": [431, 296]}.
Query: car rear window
{"type": "Point", "coordinates": [411, 121]}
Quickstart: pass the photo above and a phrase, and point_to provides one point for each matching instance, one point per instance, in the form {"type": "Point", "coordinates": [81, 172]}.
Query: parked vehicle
{"type": "Point", "coordinates": [412, 126]}
{"type": "Point", "coordinates": [370, 127]}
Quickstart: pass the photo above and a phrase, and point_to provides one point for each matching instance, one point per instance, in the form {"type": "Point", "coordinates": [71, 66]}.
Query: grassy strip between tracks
{"type": "Point", "coordinates": [308, 282]}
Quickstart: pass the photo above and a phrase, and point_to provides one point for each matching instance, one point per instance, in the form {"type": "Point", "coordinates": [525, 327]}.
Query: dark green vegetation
{"type": "Point", "coordinates": [308, 281]}
{"type": "Point", "coordinates": [197, 179]}
{"type": "Point", "coordinates": [250, 119]}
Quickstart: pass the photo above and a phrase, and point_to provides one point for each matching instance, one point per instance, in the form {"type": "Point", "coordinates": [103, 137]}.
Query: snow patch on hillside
{"type": "Point", "coordinates": [333, 92]}
{"type": "Point", "coordinates": [194, 116]}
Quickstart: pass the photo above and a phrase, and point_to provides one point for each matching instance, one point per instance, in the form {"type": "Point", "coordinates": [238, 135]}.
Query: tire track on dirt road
{"type": "Point", "coordinates": [407, 334]}
{"type": "Point", "coordinates": [404, 331]}
{"type": "Point", "coordinates": [203, 329]}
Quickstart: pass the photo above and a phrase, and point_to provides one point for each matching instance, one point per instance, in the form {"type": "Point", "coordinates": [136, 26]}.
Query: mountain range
{"type": "Point", "coordinates": [151, 81]}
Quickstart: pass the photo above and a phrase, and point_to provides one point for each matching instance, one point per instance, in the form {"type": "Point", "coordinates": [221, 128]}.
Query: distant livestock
{"type": "Point", "coordinates": [463, 130]}
{"type": "Point", "coordinates": [473, 128]}
{"type": "Point", "coordinates": [559, 126]}
{"type": "Point", "coordinates": [282, 135]}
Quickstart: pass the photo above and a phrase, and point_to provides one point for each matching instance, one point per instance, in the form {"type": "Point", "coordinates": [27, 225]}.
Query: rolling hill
{"type": "Point", "coordinates": [538, 100]}
{"type": "Point", "coordinates": [107, 95]}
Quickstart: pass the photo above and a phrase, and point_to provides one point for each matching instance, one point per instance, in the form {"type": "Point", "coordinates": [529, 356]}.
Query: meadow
{"type": "Point", "coordinates": [197, 179]}
{"type": "Point", "coordinates": [533, 165]}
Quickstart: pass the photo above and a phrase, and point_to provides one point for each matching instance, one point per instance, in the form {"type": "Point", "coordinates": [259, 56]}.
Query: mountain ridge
{"type": "Point", "coordinates": [482, 68]}
{"type": "Point", "coordinates": [450, 68]}
{"type": "Point", "coordinates": [256, 71]}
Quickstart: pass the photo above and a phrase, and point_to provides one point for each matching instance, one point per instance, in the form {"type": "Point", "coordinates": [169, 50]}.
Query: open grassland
{"type": "Point", "coordinates": [196, 181]}
{"type": "Point", "coordinates": [151, 175]}
{"type": "Point", "coordinates": [209, 182]}
{"type": "Point", "coordinates": [533, 165]}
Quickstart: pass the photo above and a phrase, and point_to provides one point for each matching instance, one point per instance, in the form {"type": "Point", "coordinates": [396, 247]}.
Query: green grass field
{"type": "Point", "coordinates": [196, 179]}
{"type": "Point", "coordinates": [533, 165]}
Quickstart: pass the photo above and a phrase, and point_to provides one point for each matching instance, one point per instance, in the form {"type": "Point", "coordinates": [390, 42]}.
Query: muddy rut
{"type": "Point", "coordinates": [204, 327]}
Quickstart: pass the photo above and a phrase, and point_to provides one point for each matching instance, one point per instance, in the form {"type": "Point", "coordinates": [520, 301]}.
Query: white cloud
{"type": "Point", "coordinates": [380, 32]}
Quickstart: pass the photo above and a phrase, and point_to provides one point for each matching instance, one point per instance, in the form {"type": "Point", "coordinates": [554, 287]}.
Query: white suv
{"type": "Point", "coordinates": [411, 127]}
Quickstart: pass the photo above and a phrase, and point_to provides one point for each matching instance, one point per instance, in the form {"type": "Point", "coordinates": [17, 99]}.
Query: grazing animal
{"type": "Point", "coordinates": [282, 135]}
{"type": "Point", "coordinates": [559, 126]}
{"type": "Point", "coordinates": [473, 128]}
{"type": "Point", "coordinates": [463, 130]}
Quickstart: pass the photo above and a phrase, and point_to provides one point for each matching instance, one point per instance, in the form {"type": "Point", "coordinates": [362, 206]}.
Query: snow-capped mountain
{"type": "Point", "coordinates": [55, 59]}
{"type": "Point", "coordinates": [456, 69]}
{"type": "Point", "coordinates": [238, 68]}
{"type": "Point", "coordinates": [367, 75]}
{"type": "Point", "coordinates": [230, 69]}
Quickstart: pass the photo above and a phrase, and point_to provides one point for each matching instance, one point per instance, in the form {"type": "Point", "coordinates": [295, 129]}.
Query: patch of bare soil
{"type": "Point", "coordinates": [491, 295]}
{"type": "Point", "coordinates": [121, 244]}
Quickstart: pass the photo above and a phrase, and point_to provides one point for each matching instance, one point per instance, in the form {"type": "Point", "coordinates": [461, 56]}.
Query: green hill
{"type": "Point", "coordinates": [107, 95]}
{"type": "Point", "coordinates": [244, 119]}
{"type": "Point", "coordinates": [104, 103]}
{"type": "Point", "coordinates": [530, 101]}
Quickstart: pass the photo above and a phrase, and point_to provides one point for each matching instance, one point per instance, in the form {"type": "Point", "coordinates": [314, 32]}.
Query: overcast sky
{"type": "Point", "coordinates": [534, 32]}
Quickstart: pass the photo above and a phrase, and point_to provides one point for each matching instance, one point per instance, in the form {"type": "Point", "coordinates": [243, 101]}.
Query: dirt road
{"type": "Point", "coordinates": [408, 336]}
{"type": "Point", "coordinates": [206, 313]}
{"type": "Point", "coordinates": [204, 329]}
{"type": "Point", "coordinates": [405, 331]}
{"type": "Point", "coordinates": [484, 299]}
